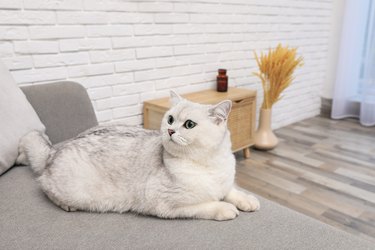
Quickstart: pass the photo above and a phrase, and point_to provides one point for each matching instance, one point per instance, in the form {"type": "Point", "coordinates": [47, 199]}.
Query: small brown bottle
{"type": "Point", "coordinates": [222, 81]}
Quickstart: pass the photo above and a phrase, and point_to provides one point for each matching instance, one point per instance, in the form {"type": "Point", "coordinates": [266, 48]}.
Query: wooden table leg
{"type": "Point", "coordinates": [246, 152]}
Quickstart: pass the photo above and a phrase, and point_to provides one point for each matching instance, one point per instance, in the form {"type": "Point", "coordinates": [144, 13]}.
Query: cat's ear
{"type": "Point", "coordinates": [175, 98]}
{"type": "Point", "coordinates": [220, 111]}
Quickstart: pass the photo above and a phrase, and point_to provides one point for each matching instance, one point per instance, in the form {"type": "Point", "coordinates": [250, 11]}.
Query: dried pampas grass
{"type": "Point", "coordinates": [276, 72]}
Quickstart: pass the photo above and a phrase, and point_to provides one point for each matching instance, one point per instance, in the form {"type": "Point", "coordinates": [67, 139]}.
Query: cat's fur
{"type": "Point", "coordinates": [188, 174]}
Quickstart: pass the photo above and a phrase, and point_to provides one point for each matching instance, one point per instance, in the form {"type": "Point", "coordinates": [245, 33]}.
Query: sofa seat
{"type": "Point", "coordinates": [28, 220]}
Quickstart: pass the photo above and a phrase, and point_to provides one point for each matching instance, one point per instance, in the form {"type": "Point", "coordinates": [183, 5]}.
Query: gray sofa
{"type": "Point", "coordinates": [28, 220]}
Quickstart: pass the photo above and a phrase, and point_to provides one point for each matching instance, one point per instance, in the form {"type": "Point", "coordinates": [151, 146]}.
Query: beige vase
{"type": "Point", "coordinates": [265, 139]}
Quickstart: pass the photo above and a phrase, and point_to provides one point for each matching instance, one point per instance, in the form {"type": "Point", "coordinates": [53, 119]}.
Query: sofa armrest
{"type": "Point", "coordinates": [63, 107]}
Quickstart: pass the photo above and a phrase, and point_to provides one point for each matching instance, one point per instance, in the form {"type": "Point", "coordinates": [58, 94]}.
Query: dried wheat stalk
{"type": "Point", "coordinates": [276, 72]}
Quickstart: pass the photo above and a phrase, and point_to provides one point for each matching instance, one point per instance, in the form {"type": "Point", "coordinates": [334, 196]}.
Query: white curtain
{"type": "Point", "coordinates": [354, 94]}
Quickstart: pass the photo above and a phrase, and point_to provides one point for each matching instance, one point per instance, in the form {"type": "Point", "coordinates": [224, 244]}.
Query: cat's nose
{"type": "Point", "coordinates": [171, 132]}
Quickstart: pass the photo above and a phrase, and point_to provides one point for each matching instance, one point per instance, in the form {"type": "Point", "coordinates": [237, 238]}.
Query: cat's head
{"type": "Point", "coordinates": [190, 128]}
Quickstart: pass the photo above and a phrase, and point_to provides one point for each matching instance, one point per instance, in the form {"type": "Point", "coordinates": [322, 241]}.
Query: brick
{"type": "Point", "coordinates": [100, 93]}
{"type": "Point", "coordinates": [139, 87]}
{"type": "Point", "coordinates": [110, 5]}
{"type": "Point", "coordinates": [27, 17]}
{"type": "Point", "coordinates": [188, 28]}
{"type": "Point", "coordinates": [146, 75]}
{"type": "Point", "coordinates": [184, 6]}
{"type": "Point", "coordinates": [135, 65]}
{"type": "Point", "coordinates": [171, 18]}
{"type": "Point", "coordinates": [127, 111]}
{"type": "Point", "coordinates": [169, 40]}
{"type": "Point", "coordinates": [229, 28]}
{"type": "Point", "coordinates": [210, 8]}
{"type": "Point", "coordinates": [133, 18]}
{"type": "Point", "coordinates": [41, 61]}
{"type": "Point", "coordinates": [109, 30]}
{"type": "Point", "coordinates": [103, 104]}
{"type": "Point", "coordinates": [90, 70]}
{"type": "Point", "coordinates": [112, 55]}
{"type": "Point", "coordinates": [154, 95]}
{"type": "Point", "coordinates": [202, 58]}
{"type": "Point", "coordinates": [189, 49]}
{"type": "Point", "coordinates": [95, 81]}
{"type": "Point", "coordinates": [122, 101]}
{"type": "Point", "coordinates": [233, 55]}
{"type": "Point", "coordinates": [19, 62]}
{"type": "Point", "coordinates": [52, 32]}
{"type": "Point", "coordinates": [53, 4]}
{"type": "Point", "coordinates": [39, 75]}
{"type": "Point", "coordinates": [74, 17]}
{"type": "Point", "coordinates": [85, 44]}
{"type": "Point", "coordinates": [36, 47]}
{"type": "Point", "coordinates": [156, 29]}
{"type": "Point", "coordinates": [204, 18]}
{"type": "Point", "coordinates": [155, 7]}
{"type": "Point", "coordinates": [6, 49]}
{"type": "Point", "coordinates": [134, 120]}
{"type": "Point", "coordinates": [162, 62]}
{"type": "Point", "coordinates": [104, 116]}
{"type": "Point", "coordinates": [200, 38]}
{"type": "Point", "coordinates": [213, 38]}
{"type": "Point", "coordinates": [154, 52]}
{"type": "Point", "coordinates": [129, 42]}
{"type": "Point", "coordinates": [166, 72]}
{"type": "Point", "coordinates": [11, 4]}
{"type": "Point", "coordinates": [13, 33]}
{"type": "Point", "coordinates": [147, 41]}
{"type": "Point", "coordinates": [187, 70]}
{"type": "Point", "coordinates": [178, 81]}
{"type": "Point", "coordinates": [195, 87]}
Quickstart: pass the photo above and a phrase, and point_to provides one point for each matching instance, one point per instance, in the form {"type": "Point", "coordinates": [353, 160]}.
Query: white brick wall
{"type": "Point", "coordinates": [126, 52]}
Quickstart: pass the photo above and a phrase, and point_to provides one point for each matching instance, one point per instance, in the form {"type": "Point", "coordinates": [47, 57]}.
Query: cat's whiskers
{"type": "Point", "coordinates": [180, 140]}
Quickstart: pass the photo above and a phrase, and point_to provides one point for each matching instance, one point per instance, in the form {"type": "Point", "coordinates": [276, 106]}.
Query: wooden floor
{"type": "Point", "coordinates": [323, 168]}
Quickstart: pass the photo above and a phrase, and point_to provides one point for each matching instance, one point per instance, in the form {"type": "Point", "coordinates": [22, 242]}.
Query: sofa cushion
{"type": "Point", "coordinates": [63, 107]}
{"type": "Point", "coordinates": [28, 220]}
{"type": "Point", "coordinates": [17, 118]}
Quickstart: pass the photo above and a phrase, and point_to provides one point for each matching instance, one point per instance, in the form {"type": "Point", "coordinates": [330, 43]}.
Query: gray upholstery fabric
{"type": "Point", "coordinates": [28, 220]}
{"type": "Point", "coordinates": [17, 117]}
{"type": "Point", "coordinates": [63, 107]}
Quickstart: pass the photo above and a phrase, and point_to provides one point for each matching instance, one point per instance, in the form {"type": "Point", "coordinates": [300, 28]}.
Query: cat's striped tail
{"type": "Point", "coordinates": [34, 149]}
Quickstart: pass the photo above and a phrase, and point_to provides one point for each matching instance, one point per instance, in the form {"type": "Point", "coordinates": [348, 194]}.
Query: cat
{"type": "Point", "coordinates": [185, 170]}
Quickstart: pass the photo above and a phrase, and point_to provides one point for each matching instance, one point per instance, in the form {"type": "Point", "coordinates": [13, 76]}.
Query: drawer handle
{"type": "Point", "coordinates": [241, 101]}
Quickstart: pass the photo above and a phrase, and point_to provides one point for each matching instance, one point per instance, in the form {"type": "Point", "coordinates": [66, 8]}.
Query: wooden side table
{"type": "Point", "coordinates": [241, 121]}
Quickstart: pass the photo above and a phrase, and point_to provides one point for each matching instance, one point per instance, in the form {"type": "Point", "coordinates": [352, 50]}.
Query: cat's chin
{"type": "Point", "coordinates": [174, 147]}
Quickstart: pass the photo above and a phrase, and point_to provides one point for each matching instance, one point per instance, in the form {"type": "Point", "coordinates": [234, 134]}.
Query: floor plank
{"type": "Point", "coordinates": [323, 168]}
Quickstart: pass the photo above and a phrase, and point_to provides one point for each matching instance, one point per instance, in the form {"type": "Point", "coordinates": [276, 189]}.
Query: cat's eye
{"type": "Point", "coordinates": [170, 120]}
{"type": "Point", "coordinates": [189, 124]}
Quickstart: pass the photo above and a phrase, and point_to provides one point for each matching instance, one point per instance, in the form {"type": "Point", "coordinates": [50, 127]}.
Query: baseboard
{"type": "Point", "coordinates": [326, 107]}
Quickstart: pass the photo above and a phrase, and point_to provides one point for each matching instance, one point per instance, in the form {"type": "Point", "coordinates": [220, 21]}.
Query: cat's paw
{"type": "Point", "coordinates": [225, 211]}
{"type": "Point", "coordinates": [68, 208]}
{"type": "Point", "coordinates": [22, 157]}
{"type": "Point", "coordinates": [247, 203]}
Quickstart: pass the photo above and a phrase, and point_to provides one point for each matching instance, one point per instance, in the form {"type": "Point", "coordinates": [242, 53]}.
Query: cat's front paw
{"type": "Point", "coordinates": [247, 203]}
{"type": "Point", "coordinates": [22, 157]}
{"type": "Point", "coordinates": [225, 211]}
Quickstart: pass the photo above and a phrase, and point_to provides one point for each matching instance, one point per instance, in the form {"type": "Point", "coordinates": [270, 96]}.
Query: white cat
{"type": "Point", "coordinates": [184, 171]}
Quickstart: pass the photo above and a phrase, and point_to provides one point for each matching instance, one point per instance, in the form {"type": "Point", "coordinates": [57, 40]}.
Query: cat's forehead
{"type": "Point", "coordinates": [188, 110]}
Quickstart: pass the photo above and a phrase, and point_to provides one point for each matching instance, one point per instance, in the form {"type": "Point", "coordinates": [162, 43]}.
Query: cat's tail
{"type": "Point", "coordinates": [34, 149]}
